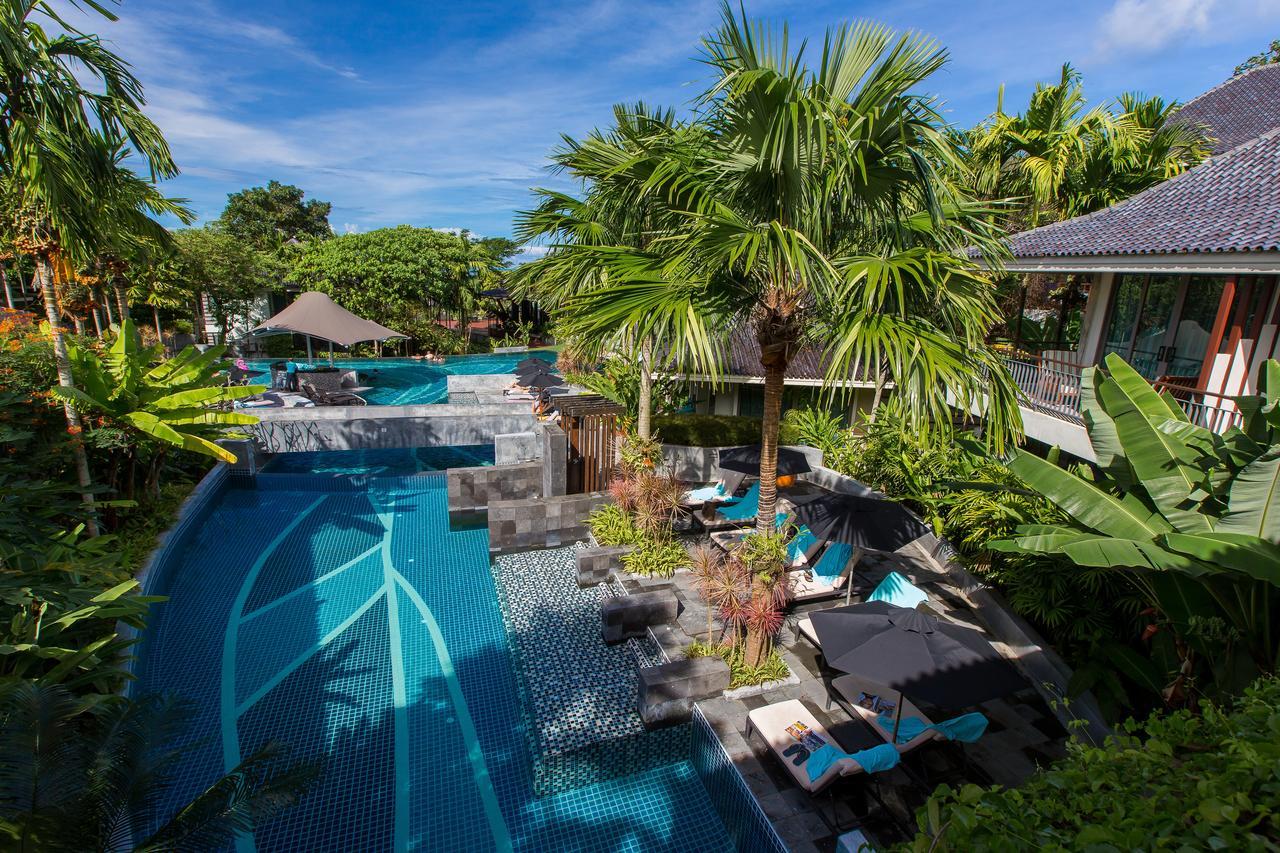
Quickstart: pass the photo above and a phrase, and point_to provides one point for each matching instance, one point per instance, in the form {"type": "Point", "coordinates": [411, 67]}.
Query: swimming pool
{"type": "Point", "coordinates": [407, 382]}
{"type": "Point", "coordinates": [345, 617]}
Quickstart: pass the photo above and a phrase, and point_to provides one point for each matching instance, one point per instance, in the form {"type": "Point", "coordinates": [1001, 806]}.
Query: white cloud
{"type": "Point", "coordinates": [350, 228]}
{"type": "Point", "coordinates": [1148, 25]}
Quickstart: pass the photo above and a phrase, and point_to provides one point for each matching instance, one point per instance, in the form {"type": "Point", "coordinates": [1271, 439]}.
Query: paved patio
{"type": "Point", "coordinates": [1023, 733]}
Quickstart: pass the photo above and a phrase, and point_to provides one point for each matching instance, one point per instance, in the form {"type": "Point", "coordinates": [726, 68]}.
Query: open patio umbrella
{"type": "Point", "coordinates": [533, 361]}
{"type": "Point", "coordinates": [926, 658]}
{"type": "Point", "coordinates": [535, 370]}
{"type": "Point", "coordinates": [873, 524]}
{"type": "Point", "coordinates": [866, 523]}
{"type": "Point", "coordinates": [541, 381]}
{"type": "Point", "coordinates": [315, 315]}
{"type": "Point", "coordinates": [746, 460]}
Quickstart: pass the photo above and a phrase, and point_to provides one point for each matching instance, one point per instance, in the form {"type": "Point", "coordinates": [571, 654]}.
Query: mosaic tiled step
{"type": "Point", "coordinates": [581, 694]}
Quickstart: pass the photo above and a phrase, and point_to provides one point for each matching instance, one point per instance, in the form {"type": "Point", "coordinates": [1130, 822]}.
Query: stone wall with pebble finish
{"type": "Point", "coordinates": [476, 488]}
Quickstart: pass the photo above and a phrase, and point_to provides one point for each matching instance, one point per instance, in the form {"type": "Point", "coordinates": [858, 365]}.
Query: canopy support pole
{"type": "Point", "coordinates": [331, 353]}
{"type": "Point", "coordinates": [897, 721]}
{"type": "Point", "coordinates": [308, 348]}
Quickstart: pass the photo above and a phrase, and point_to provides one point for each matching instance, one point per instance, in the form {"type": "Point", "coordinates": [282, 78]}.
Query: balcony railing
{"type": "Point", "coordinates": [1052, 386]}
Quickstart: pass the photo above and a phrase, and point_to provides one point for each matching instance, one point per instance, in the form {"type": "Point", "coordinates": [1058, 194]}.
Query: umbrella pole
{"type": "Point", "coordinates": [848, 582]}
{"type": "Point", "coordinates": [897, 720]}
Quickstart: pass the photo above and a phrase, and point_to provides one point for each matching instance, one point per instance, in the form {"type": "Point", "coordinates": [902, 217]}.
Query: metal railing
{"type": "Point", "coordinates": [1052, 386]}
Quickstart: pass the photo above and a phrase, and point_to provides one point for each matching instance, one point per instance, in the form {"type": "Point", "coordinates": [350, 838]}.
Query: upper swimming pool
{"type": "Point", "coordinates": [408, 382]}
{"type": "Point", "coordinates": [462, 704]}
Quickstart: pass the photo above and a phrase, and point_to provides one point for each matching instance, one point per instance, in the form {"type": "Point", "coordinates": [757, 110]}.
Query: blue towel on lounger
{"type": "Point", "coordinates": [832, 562]}
{"type": "Point", "coordinates": [746, 508]}
{"type": "Point", "coordinates": [966, 728]}
{"type": "Point", "coordinates": [877, 759]}
{"type": "Point", "coordinates": [908, 728]}
{"type": "Point", "coordinates": [706, 493]}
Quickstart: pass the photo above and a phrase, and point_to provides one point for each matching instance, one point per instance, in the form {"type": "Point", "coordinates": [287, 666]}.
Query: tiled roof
{"type": "Point", "coordinates": [1242, 108]}
{"type": "Point", "coordinates": [1229, 203]}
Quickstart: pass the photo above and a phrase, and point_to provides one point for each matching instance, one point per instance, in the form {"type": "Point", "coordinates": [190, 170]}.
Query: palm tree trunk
{"type": "Point", "coordinates": [44, 275]}
{"type": "Point", "coordinates": [775, 367]}
{"type": "Point", "coordinates": [97, 322]}
{"type": "Point", "coordinates": [106, 303]}
{"type": "Point", "coordinates": [8, 291]}
{"type": "Point", "coordinates": [121, 300]}
{"type": "Point", "coordinates": [155, 315]}
{"type": "Point", "coordinates": [79, 324]}
{"type": "Point", "coordinates": [644, 418]}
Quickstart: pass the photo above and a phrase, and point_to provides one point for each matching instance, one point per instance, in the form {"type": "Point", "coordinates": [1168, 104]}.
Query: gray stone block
{"type": "Point", "coordinates": [597, 565]}
{"type": "Point", "coordinates": [667, 691]}
{"type": "Point", "coordinates": [631, 615]}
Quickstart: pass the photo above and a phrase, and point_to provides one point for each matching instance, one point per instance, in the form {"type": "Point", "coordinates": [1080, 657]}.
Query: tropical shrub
{"type": "Point", "coordinates": [618, 379]}
{"type": "Point", "coordinates": [656, 558]}
{"type": "Point", "coordinates": [145, 404]}
{"type": "Point", "coordinates": [707, 430]}
{"type": "Point", "coordinates": [612, 525]}
{"type": "Point", "coordinates": [1179, 781]}
{"type": "Point", "coordinates": [772, 668]}
{"type": "Point", "coordinates": [1189, 517]}
{"type": "Point", "coordinates": [90, 775]}
{"type": "Point", "coordinates": [813, 427]}
{"type": "Point", "coordinates": [748, 588]}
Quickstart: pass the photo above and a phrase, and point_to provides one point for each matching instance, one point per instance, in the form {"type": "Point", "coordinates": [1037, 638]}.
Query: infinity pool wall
{"type": "Point", "coordinates": [367, 630]}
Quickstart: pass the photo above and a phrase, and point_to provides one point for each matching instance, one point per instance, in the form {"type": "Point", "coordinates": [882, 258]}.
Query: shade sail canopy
{"type": "Point", "coordinates": [871, 523]}
{"type": "Point", "coordinates": [318, 316]}
{"type": "Point", "coordinates": [746, 460]}
{"type": "Point", "coordinates": [928, 659]}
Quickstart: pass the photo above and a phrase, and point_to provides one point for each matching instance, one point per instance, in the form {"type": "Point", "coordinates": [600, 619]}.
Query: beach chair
{"type": "Point", "coordinates": [826, 578]}
{"type": "Point", "coordinates": [877, 705]}
{"type": "Point", "coordinates": [718, 492]}
{"type": "Point", "coordinates": [808, 752]}
{"type": "Point", "coordinates": [331, 398]}
{"type": "Point", "coordinates": [743, 511]}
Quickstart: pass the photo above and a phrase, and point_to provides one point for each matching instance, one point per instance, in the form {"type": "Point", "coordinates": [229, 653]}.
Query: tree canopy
{"type": "Point", "coordinates": [268, 217]}
{"type": "Point", "coordinates": [1270, 56]}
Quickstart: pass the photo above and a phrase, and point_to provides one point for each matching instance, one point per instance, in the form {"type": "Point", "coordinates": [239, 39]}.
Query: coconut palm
{"type": "Point", "coordinates": [64, 100]}
{"type": "Point", "coordinates": [813, 207]}
{"type": "Point", "coordinates": [616, 211]}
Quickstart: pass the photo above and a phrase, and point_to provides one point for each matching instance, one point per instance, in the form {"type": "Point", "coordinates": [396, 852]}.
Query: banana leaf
{"type": "Point", "coordinates": [1254, 503]}
{"type": "Point", "coordinates": [1087, 504]}
{"type": "Point", "coordinates": [1236, 552]}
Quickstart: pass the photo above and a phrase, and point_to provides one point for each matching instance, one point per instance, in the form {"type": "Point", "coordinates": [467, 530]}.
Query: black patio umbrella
{"type": "Point", "coordinates": [873, 524]}
{"type": "Point", "coordinates": [533, 361]}
{"type": "Point", "coordinates": [926, 658]}
{"type": "Point", "coordinates": [746, 460]}
{"type": "Point", "coordinates": [542, 380]}
{"type": "Point", "coordinates": [535, 370]}
{"type": "Point", "coordinates": [526, 379]}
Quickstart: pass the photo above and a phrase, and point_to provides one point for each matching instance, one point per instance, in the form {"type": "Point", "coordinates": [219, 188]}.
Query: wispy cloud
{"type": "Point", "coordinates": [1148, 25]}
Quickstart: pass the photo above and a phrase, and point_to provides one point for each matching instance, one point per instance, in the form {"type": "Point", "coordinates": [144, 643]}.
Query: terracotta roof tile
{"type": "Point", "coordinates": [1243, 108]}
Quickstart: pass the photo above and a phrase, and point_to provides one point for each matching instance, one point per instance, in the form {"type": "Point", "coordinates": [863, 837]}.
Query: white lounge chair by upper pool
{"type": "Point", "coordinates": [794, 735]}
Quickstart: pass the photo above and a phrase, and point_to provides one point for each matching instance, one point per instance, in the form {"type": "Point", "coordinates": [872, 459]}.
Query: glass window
{"type": "Point", "coordinates": [1195, 326]}
{"type": "Point", "coordinates": [1125, 303]}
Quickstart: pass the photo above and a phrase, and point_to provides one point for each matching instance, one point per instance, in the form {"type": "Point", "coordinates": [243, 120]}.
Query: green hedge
{"type": "Point", "coordinates": [707, 430]}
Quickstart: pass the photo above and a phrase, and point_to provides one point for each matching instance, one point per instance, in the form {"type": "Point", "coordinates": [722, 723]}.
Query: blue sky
{"type": "Point", "coordinates": [442, 114]}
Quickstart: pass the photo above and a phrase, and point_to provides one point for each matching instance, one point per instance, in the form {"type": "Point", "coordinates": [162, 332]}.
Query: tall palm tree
{"type": "Point", "coordinates": [617, 211]}
{"type": "Point", "coordinates": [813, 207]}
{"type": "Point", "coordinates": [66, 99]}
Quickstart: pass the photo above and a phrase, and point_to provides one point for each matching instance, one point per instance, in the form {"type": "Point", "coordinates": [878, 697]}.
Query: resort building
{"type": "Point", "coordinates": [1181, 279]}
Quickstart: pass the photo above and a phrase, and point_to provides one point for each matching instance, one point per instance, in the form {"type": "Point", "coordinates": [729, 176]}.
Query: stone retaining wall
{"type": "Point", "coordinates": [356, 427]}
{"type": "Point", "coordinates": [475, 488]}
{"type": "Point", "coordinates": [701, 464]}
{"type": "Point", "coordinates": [546, 523]}
{"type": "Point", "coordinates": [513, 447]}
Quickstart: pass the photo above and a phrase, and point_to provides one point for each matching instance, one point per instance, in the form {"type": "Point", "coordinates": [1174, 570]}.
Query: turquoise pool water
{"type": "Point", "coordinates": [345, 617]}
{"type": "Point", "coordinates": [406, 382]}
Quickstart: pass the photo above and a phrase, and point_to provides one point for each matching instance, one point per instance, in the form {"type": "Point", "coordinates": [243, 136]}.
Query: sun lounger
{"type": "Point", "coordinates": [742, 511]}
{"type": "Point", "coordinates": [331, 398]}
{"type": "Point", "coordinates": [854, 694]}
{"type": "Point", "coordinates": [718, 492]}
{"type": "Point", "coordinates": [827, 577]}
{"type": "Point", "coordinates": [813, 759]}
